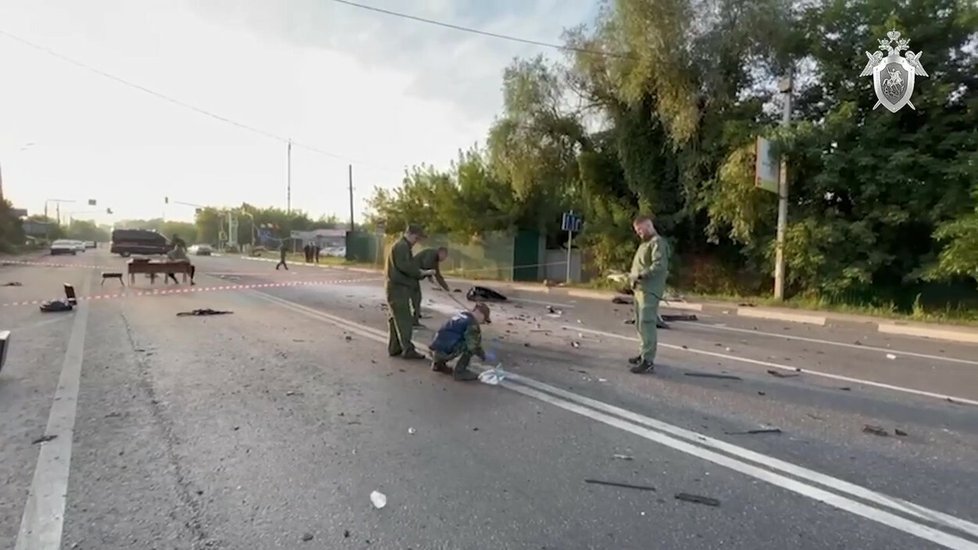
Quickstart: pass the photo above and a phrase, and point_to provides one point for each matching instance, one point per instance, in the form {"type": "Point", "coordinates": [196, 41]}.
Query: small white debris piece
{"type": "Point", "coordinates": [890, 356]}
{"type": "Point", "coordinates": [729, 350]}
{"type": "Point", "coordinates": [412, 431]}
{"type": "Point", "coordinates": [493, 376]}
{"type": "Point", "coordinates": [602, 379]}
{"type": "Point", "coordinates": [378, 499]}
{"type": "Point", "coordinates": [623, 457]}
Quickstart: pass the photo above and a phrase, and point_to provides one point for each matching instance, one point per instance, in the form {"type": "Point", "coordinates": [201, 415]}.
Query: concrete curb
{"type": "Point", "coordinates": [937, 332]}
{"type": "Point", "coordinates": [777, 315]}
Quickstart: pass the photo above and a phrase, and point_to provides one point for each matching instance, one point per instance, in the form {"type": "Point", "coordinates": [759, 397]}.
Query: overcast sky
{"type": "Point", "coordinates": [376, 91]}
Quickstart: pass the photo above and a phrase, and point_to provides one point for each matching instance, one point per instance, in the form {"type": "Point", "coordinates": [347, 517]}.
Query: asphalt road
{"type": "Point", "coordinates": [270, 427]}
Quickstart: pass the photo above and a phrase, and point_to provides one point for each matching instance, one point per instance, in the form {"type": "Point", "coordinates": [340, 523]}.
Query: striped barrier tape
{"type": "Point", "coordinates": [196, 289]}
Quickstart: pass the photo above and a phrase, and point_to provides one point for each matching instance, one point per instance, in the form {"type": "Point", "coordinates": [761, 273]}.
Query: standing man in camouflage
{"type": "Point", "coordinates": [429, 259]}
{"type": "Point", "coordinates": [402, 274]}
{"type": "Point", "coordinates": [650, 267]}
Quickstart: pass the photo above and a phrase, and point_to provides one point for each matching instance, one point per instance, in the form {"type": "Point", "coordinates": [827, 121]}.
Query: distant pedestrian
{"type": "Point", "coordinates": [650, 268]}
{"type": "Point", "coordinates": [315, 251]}
{"type": "Point", "coordinates": [401, 274]}
{"type": "Point", "coordinates": [283, 251]}
{"type": "Point", "coordinates": [429, 258]}
{"type": "Point", "coordinates": [461, 337]}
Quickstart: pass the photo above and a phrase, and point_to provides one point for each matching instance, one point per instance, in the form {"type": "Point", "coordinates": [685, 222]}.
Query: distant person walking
{"type": "Point", "coordinates": [430, 259]}
{"type": "Point", "coordinates": [283, 251]}
{"type": "Point", "coordinates": [650, 268]}
{"type": "Point", "coordinates": [315, 251]}
{"type": "Point", "coordinates": [401, 274]}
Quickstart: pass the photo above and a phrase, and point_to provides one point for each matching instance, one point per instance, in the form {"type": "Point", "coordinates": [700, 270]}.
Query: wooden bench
{"type": "Point", "coordinates": [112, 275]}
{"type": "Point", "coordinates": [156, 268]}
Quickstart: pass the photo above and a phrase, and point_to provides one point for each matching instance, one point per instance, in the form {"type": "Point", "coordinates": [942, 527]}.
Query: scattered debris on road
{"type": "Point", "coordinates": [900, 432]}
{"type": "Point", "coordinates": [378, 499]}
{"type": "Point", "coordinates": [625, 300]}
{"type": "Point", "coordinates": [617, 484]}
{"type": "Point", "coordinates": [876, 430]}
{"type": "Point", "coordinates": [56, 306]}
{"type": "Point", "coordinates": [575, 344]}
{"type": "Point", "coordinates": [12, 283]}
{"type": "Point", "coordinates": [203, 312]}
{"type": "Point", "coordinates": [492, 376]}
{"type": "Point", "coordinates": [845, 388]}
{"type": "Point", "coordinates": [679, 317]}
{"type": "Point", "coordinates": [483, 294]}
{"type": "Point", "coordinates": [412, 431]}
{"type": "Point", "coordinates": [712, 375]}
{"type": "Point", "coordinates": [348, 338]}
{"type": "Point", "coordinates": [779, 374]}
{"type": "Point", "coordinates": [623, 457]}
{"type": "Point", "coordinates": [307, 537]}
{"type": "Point", "coordinates": [697, 499]}
{"type": "Point", "coordinates": [757, 432]}
{"type": "Point", "coordinates": [44, 439]}
{"type": "Point", "coordinates": [292, 393]}
{"type": "Point", "coordinates": [890, 356]}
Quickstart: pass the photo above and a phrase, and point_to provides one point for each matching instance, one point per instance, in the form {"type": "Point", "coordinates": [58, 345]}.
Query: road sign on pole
{"type": "Point", "coordinates": [570, 223]}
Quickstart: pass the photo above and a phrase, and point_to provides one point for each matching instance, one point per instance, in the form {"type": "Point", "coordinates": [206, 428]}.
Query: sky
{"type": "Point", "coordinates": [379, 92]}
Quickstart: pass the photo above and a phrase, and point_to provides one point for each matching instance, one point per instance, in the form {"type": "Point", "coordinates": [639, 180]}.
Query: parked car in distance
{"type": "Point", "coordinates": [79, 245]}
{"type": "Point", "coordinates": [200, 250]}
{"type": "Point", "coordinates": [126, 242]}
{"type": "Point", "coordinates": [63, 246]}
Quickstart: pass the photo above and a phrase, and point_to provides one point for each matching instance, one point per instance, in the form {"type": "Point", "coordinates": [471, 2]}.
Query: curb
{"type": "Point", "coordinates": [936, 332]}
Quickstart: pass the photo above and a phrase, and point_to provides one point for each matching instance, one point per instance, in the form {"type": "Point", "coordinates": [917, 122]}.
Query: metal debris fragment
{"type": "Point", "coordinates": [875, 430]}
{"type": "Point", "coordinates": [43, 439]}
{"type": "Point", "coordinates": [779, 374]}
{"type": "Point", "coordinates": [201, 312]}
{"type": "Point", "coordinates": [698, 499]}
{"type": "Point", "coordinates": [900, 432]}
{"type": "Point", "coordinates": [623, 457]}
{"type": "Point", "coordinates": [712, 375]}
{"type": "Point", "coordinates": [756, 432]}
{"type": "Point", "coordinates": [617, 484]}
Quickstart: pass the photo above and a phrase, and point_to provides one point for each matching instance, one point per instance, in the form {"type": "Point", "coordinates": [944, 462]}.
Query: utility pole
{"type": "Point", "coordinates": [352, 225]}
{"type": "Point", "coordinates": [785, 87]}
{"type": "Point", "coordinates": [1, 185]}
{"type": "Point", "coordinates": [288, 182]}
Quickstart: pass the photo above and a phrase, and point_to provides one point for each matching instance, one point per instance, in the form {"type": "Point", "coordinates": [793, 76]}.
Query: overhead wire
{"type": "Point", "coordinates": [472, 30]}
{"type": "Point", "coordinates": [184, 104]}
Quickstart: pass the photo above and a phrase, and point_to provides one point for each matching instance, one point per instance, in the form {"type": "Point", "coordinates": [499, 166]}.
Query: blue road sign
{"type": "Point", "coordinates": [571, 222]}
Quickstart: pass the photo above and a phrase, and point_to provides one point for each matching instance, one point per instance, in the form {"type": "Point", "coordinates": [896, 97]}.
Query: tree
{"type": "Point", "coordinates": [84, 230]}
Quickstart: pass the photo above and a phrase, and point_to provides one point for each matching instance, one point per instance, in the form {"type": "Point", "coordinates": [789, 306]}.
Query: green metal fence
{"type": "Point", "coordinates": [489, 256]}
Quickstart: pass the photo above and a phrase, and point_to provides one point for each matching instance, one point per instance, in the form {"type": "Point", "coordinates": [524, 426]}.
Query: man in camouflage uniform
{"type": "Point", "coordinates": [430, 259]}
{"type": "Point", "coordinates": [402, 275]}
{"type": "Point", "coordinates": [650, 267]}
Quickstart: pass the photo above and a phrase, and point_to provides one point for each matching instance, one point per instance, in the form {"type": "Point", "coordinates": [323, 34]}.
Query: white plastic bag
{"type": "Point", "coordinates": [492, 376]}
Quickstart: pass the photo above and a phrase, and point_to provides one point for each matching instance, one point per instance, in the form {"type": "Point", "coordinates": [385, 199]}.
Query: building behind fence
{"type": "Point", "coordinates": [504, 256]}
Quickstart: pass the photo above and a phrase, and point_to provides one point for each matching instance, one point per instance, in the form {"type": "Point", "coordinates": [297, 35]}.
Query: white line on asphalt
{"type": "Point", "coordinates": [779, 366]}
{"type": "Point", "coordinates": [640, 425]}
{"type": "Point", "coordinates": [896, 504]}
{"type": "Point", "coordinates": [709, 326]}
{"type": "Point", "coordinates": [43, 519]}
{"type": "Point", "coordinates": [820, 495]}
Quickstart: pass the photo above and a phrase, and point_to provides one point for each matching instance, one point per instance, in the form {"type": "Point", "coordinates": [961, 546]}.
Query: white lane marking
{"type": "Point", "coordinates": [43, 519]}
{"type": "Point", "coordinates": [852, 506]}
{"type": "Point", "coordinates": [710, 326]}
{"type": "Point", "coordinates": [786, 367]}
{"type": "Point", "coordinates": [896, 504]}
{"type": "Point", "coordinates": [639, 425]}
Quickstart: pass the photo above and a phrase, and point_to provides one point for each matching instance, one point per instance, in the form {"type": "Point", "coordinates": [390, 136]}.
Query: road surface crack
{"type": "Point", "coordinates": [184, 492]}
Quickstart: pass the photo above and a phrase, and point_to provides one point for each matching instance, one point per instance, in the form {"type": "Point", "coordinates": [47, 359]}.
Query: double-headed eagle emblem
{"type": "Point", "coordinates": [893, 74]}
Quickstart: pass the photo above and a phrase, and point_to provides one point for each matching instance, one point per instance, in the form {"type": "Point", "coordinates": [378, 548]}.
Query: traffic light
{"type": "Point", "coordinates": [108, 211]}
{"type": "Point", "coordinates": [166, 200]}
{"type": "Point", "coordinates": [91, 202]}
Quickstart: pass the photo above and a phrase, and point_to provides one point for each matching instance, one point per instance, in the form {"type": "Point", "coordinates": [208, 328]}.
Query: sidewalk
{"type": "Point", "coordinates": [948, 332]}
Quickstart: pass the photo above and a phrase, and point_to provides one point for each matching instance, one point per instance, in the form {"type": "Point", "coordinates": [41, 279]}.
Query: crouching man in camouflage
{"type": "Point", "coordinates": [460, 337]}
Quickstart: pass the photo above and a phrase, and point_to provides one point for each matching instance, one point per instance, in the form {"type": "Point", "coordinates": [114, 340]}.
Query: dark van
{"type": "Point", "coordinates": [126, 242]}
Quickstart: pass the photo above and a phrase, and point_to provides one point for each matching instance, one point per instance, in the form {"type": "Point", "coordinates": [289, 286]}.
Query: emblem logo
{"type": "Point", "coordinates": [893, 74]}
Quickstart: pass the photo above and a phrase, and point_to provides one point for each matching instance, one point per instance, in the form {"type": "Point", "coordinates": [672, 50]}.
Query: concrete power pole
{"type": "Point", "coordinates": [288, 179]}
{"type": "Point", "coordinates": [352, 224]}
{"type": "Point", "coordinates": [785, 87]}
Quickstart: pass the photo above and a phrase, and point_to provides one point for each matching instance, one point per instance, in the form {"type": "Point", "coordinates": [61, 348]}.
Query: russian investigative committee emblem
{"type": "Point", "coordinates": [893, 75]}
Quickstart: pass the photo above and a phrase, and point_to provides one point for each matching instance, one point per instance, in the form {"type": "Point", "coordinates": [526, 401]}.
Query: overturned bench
{"type": "Point", "coordinates": [156, 268]}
